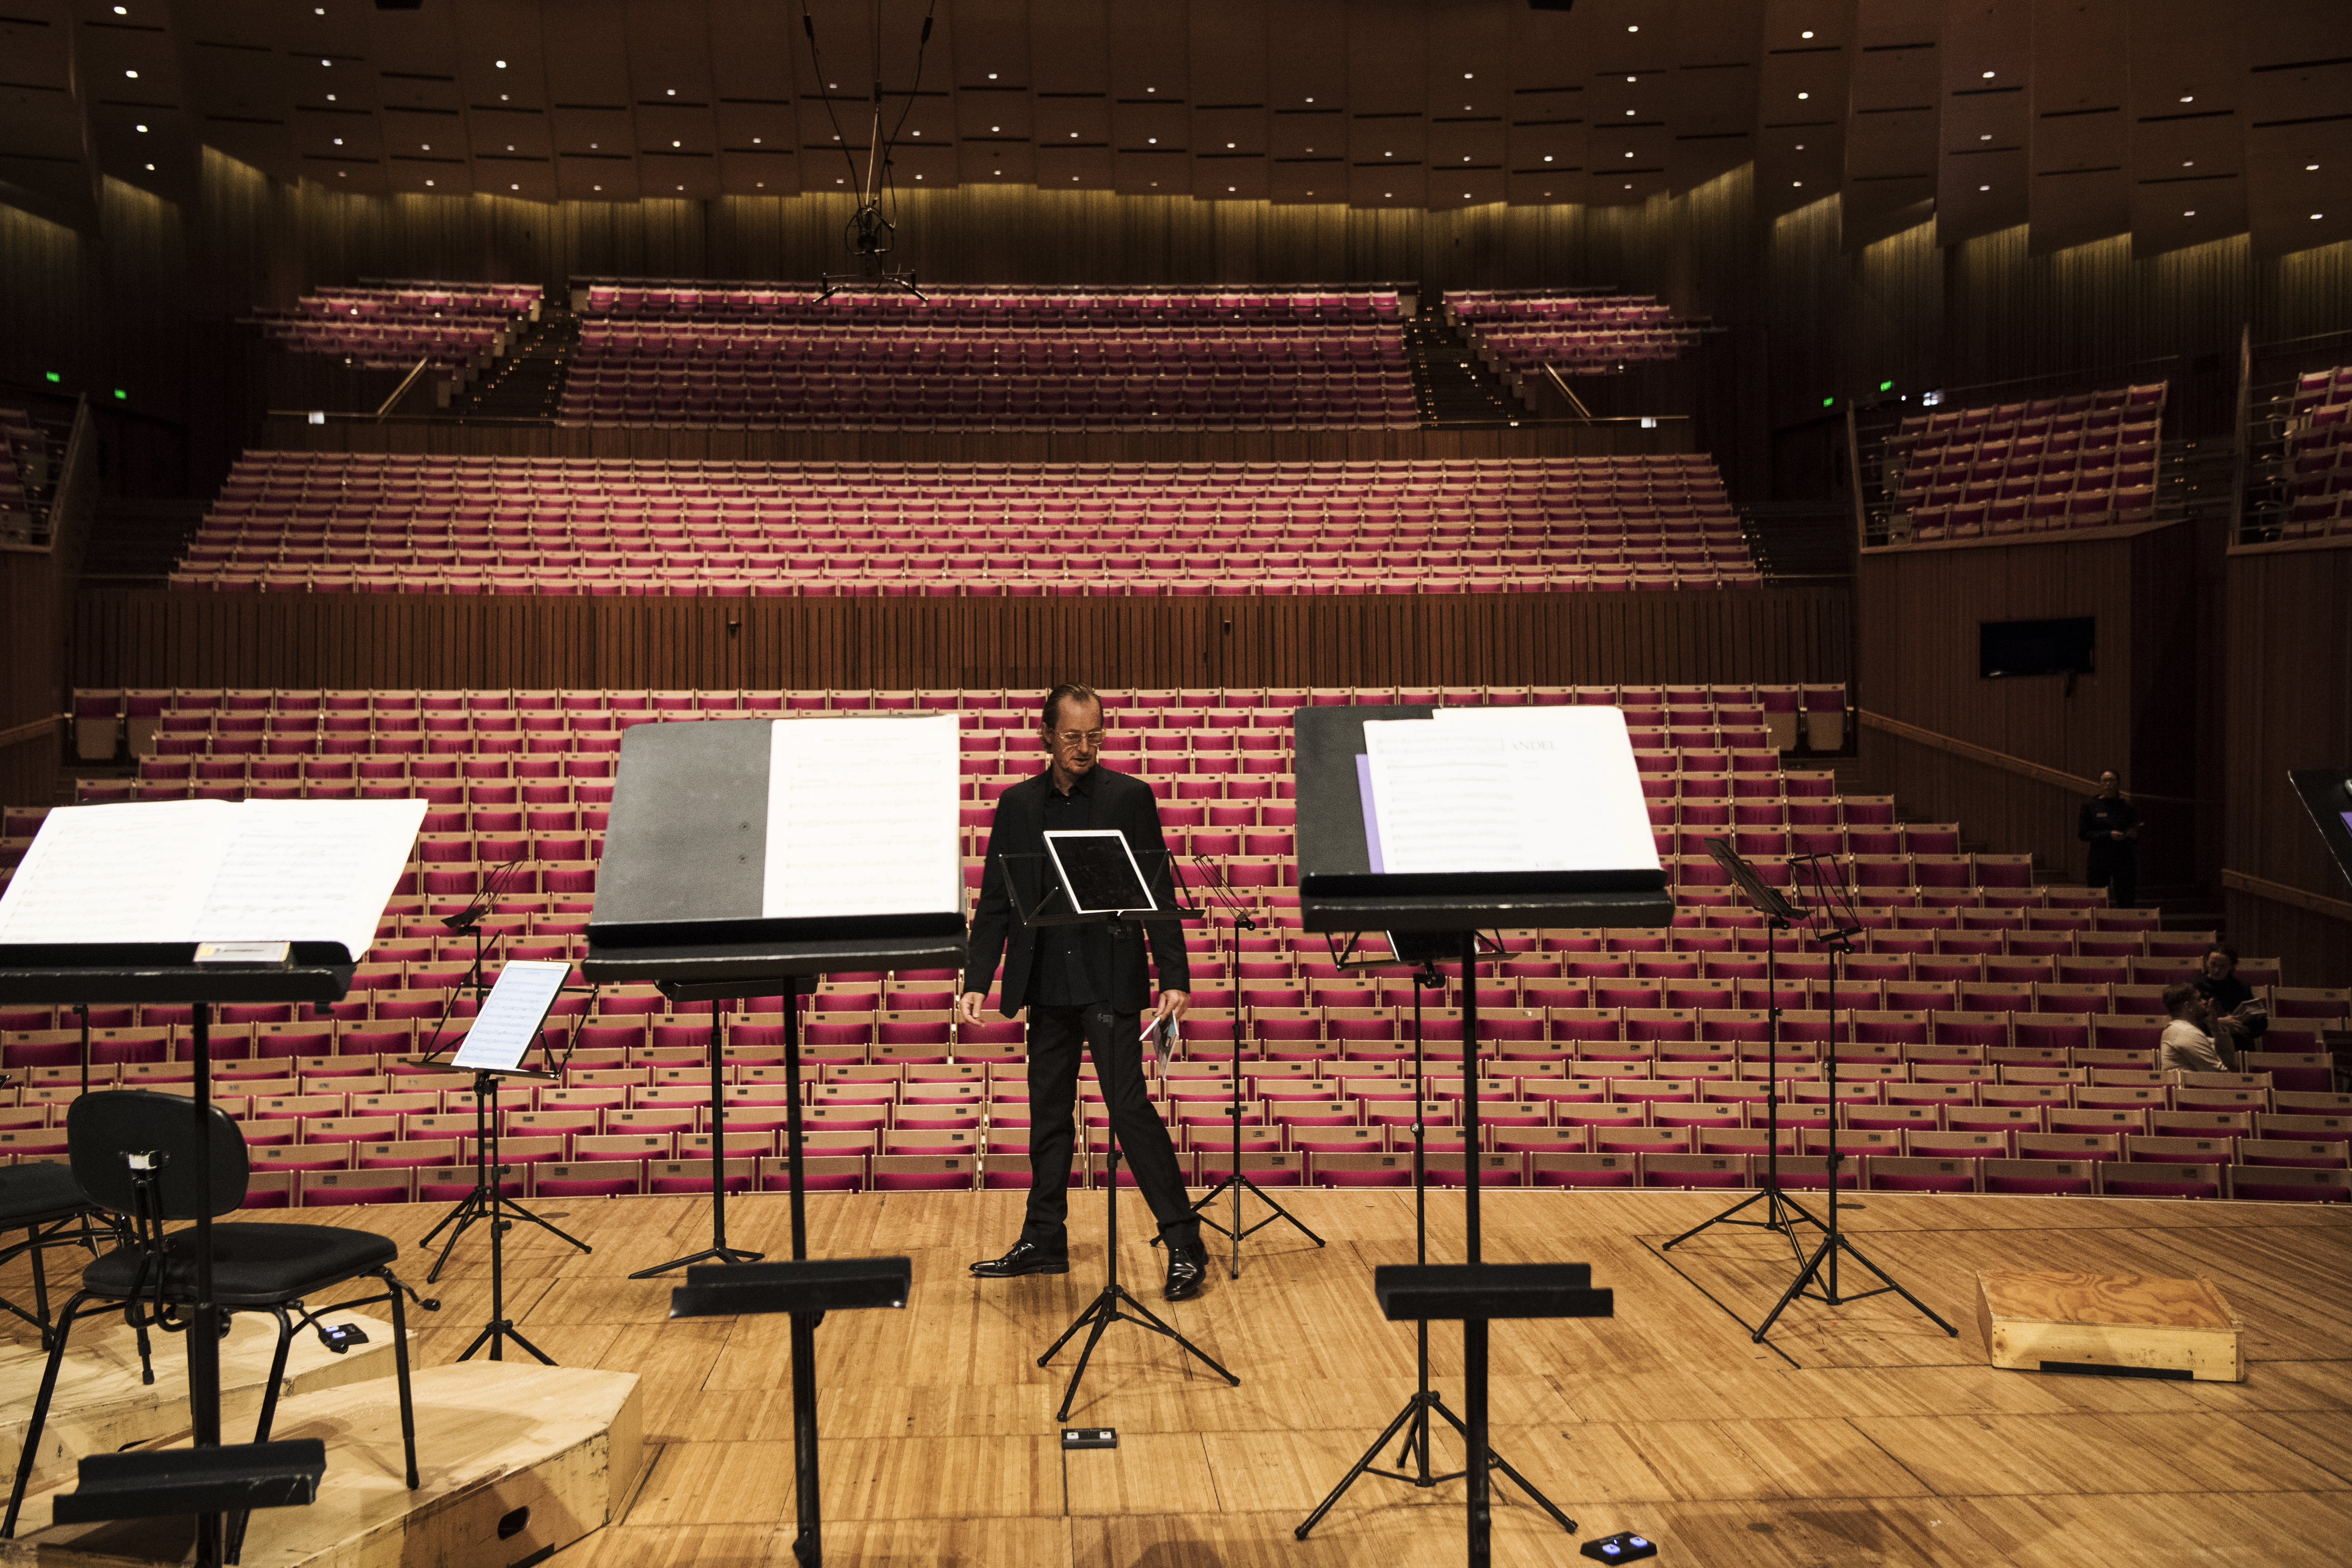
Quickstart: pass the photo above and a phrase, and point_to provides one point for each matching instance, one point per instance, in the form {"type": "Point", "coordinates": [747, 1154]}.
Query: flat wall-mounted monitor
{"type": "Point", "coordinates": [2068, 646]}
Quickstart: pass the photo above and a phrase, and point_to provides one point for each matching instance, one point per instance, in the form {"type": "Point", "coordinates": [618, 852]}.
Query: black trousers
{"type": "Point", "coordinates": [2116, 868]}
{"type": "Point", "coordinates": [1056, 1035]}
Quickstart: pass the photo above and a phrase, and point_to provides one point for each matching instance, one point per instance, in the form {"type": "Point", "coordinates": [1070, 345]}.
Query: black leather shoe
{"type": "Point", "coordinates": [1026, 1258]}
{"type": "Point", "coordinates": [1188, 1270]}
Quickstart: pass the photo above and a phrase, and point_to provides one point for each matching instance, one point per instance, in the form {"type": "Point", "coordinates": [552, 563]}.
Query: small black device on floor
{"type": "Point", "coordinates": [1623, 1547]}
{"type": "Point", "coordinates": [1090, 1436]}
{"type": "Point", "coordinates": [340, 1337]}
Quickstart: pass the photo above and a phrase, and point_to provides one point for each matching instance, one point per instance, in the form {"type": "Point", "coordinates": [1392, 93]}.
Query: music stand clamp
{"type": "Point", "coordinates": [1116, 1303]}
{"type": "Point", "coordinates": [1832, 925]}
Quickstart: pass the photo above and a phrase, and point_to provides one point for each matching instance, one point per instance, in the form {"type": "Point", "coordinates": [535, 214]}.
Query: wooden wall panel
{"type": "Point", "coordinates": [150, 638]}
{"type": "Point", "coordinates": [2290, 681]}
{"type": "Point", "coordinates": [1919, 612]}
{"type": "Point", "coordinates": [32, 651]}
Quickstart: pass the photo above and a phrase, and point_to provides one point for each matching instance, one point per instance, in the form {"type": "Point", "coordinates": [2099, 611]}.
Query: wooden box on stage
{"type": "Point", "coordinates": [2118, 1324]}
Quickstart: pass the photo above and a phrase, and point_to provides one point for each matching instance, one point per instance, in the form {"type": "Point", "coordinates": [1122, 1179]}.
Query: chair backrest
{"type": "Point", "coordinates": [105, 1128]}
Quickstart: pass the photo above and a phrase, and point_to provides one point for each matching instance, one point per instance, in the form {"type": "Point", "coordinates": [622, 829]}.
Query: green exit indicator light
{"type": "Point", "coordinates": [1882, 386]}
{"type": "Point", "coordinates": [55, 376]}
{"type": "Point", "coordinates": [1829, 403]}
{"type": "Point", "coordinates": [121, 394]}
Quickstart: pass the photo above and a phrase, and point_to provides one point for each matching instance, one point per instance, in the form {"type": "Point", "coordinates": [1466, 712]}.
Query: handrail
{"type": "Point", "coordinates": [401, 391]}
{"type": "Point", "coordinates": [2283, 893]}
{"type": "Point", "coordinates": [2055, 777]}
{"type": "Point", "coordinates": [1573, 401]}
{"type": "Point", "coordinates": [75, 498]}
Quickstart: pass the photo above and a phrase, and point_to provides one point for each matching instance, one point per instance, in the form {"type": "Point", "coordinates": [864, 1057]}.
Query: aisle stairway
{"type": "Point", "coordinates": [528, 383]}
{"type": "Point", "coordinates": [1449, 385]}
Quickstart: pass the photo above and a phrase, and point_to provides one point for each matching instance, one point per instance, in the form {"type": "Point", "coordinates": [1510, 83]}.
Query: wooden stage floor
{"type": "Point", "coordinates": [1867, 1437]}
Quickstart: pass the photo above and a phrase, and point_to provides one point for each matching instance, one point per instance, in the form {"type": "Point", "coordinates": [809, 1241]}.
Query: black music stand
{"type": "Point", "coordinates": [1237, 1180]}
{"type": "Point", "coordinates": [1835, 927]}
{"type": "Point", "coordinates": [1102, 897]}
{"type": "Point", "coordinates": [1339, 891]}
{"type": "Point", "coordinates": [1782, 1212]}
{"type": "Point", "coordinates": [678, 902]}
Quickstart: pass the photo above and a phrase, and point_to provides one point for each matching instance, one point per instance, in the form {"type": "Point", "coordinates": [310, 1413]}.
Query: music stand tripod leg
{"type": "Point", "coordinates": [719, 1251]}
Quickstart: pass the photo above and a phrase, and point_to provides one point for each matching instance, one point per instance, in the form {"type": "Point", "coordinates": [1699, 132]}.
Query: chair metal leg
{"type": "Point", "coordinates": [40, 1288]}
{"type": "Point", "coordinates": [400, 1370]}
{"type": "Point", "coordinates": [32, 1450]}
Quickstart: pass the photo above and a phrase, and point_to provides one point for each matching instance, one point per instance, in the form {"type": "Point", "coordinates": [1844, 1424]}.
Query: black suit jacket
{"type": "Point", "coordinates": [1121, 801]}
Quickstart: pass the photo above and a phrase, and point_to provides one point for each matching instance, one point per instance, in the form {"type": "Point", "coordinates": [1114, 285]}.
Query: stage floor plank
{"type": "Point", "coordinates": [1861, 1435]}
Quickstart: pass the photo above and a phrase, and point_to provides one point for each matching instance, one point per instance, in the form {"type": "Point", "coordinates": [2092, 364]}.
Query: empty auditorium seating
{"type": "Point", "coordinates": [297, 522]}
{"type": "Point", "coordinates": [2318, 478]}
{"type": "Point", "coordinates": [2083, 461]}
{"type": "Point", "coordinates": [391, 328]}
{"type": "Point", "coordinates": [1522, 330]}
{"type": "Point", "coordinates": [1993, 1034]}
{"type": "Point", "coordinates": [774, 357]}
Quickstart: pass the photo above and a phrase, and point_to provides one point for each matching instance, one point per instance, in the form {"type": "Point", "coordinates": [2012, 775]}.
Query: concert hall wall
{"type": "Point", "coordinates": [2289, 666]}
{"type": "Point", "coordinates": [152, 637]}
{"type": "Point", "coordinates": [2012, 758]}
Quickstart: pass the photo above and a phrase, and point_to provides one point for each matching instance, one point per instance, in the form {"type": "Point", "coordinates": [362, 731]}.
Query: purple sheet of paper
{"type": "Point", "coordinates": [1372, 812]}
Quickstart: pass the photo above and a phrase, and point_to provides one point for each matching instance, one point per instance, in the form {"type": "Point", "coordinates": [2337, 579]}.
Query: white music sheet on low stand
{"type": "Point", "coordinates": [502, 1032]}
{"type": "Point", "coordinates": [862, 818]}
{"type": "Point", "coordinates": [1510, 789]}
{"type": "Point", "coordinates": [210, 871]}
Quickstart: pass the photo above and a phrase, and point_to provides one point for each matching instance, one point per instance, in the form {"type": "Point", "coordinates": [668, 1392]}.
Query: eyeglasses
{"type": "Point", "coordinates": [1077, 737]}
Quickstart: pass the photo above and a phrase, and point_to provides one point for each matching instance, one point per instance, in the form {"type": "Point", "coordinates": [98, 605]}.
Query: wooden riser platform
{"type": "Point", "coordinates": [100, 1405]}
{"type": "Point", "coordinates": [1862, 1435]}
{"type": "Point", "coordinates": [514, 1460]}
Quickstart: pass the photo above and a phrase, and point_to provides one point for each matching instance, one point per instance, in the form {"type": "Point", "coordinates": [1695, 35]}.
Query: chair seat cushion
{"type": "Point", "coordinates": [253, 1265]}
{"type": "Point", "coordinates": [30, 1194]}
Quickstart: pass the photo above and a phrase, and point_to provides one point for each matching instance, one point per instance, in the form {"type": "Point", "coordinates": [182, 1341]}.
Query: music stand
{"type": "Point", "coordinates": [1835, 927]}
{"type": "Point", "coordinates": [1237, 1180]}
{"type": "Point", "coordinates": [680, 902]}
{"type": "Point", "coordinates": [199, 974]}
{"type": "Point", "coordinates": [510, 1022]}
{"type": "Point", "coordinates": [1423, 951]}
{"type": "Point", "coordinates": [1096, 880]}
{"type": "Point", "coordinates": [1782, 1212]}
{"type": "Point", "coordinates": [1343, 885]}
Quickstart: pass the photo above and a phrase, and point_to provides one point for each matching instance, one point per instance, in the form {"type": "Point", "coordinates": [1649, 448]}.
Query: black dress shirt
{"type": "Point", "coordinates": [1073, 962]}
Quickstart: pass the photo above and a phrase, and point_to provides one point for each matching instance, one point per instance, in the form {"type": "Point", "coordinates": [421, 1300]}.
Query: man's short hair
{"type": "Point", "coordinates": [2212, 947]}
{"type": "Point", "coordinates": [2176, 997]}
{"type": "Point", "coordinates": [1051, 714]}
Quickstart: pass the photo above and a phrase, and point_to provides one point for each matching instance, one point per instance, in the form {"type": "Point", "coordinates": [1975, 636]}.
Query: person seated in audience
{"type": "Point", "coordinates": [2197, 1039]}
{"type": "Point", "coordinates": [2110, 825]}
{"type": "Point", "coordinates": [2216, 980]}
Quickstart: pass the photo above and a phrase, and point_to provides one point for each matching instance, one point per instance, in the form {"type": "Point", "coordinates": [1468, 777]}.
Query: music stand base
{"type": "Point", "coordinates": [1413, 1421]}
{"type": "Point", "coordinates": [708, 1254]}
{"type": "Point", "coordinates": [480, 1205]}
{"type": "Point", "coordinates": [1101, 1314]}
{"type": "Point", "coordinates": [1775, 1198]}
{"type": "Point", "coordinates": [495, 1333]}
{"type": "Point", "coordinates": [1831, 1244]}
{"type": "Point", "coordinates": [1238, 1183]}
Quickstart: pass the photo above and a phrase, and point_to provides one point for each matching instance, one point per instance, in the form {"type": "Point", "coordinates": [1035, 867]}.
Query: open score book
{"type": "Point", "coordinates": [176, 872]}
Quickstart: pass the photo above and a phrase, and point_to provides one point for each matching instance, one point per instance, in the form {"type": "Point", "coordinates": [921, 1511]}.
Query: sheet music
{"type": "Point", "coordinates": [309, 871]}
{"type": "Point", "coordinates": [1445, 801]}
{"type": "Point", "coordinates": [1580, 791]}
{"type": "Point", "coordinates": [131, 872]}
{"type": "Point", "coordinates": [512, 1014]}
{"type": "Point", "coordinates": [862, 818]}
{"type": "Point", "coordinates": [212, 870]}
{"type": "Point", "coordinates": [1508, 790]}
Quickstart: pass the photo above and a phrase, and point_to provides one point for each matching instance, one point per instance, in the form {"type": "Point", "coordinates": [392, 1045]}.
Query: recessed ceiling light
{"type": "Point", "coordinates": [2191, 213]}
{"type": "Point", "coordinates": [681, 187]}
{"type": "Point", "coordinates": [340, 176]}
{"type": "Point", "coordinates": [1806, 34]}
{"type": "Point", "coordinates": [1800, 147]}
{"type": "Point", "coordinates": [1986, 137]}
{"type": "Point", "coordinates": [1798, 184]}
{"type": "Point", "coordinates": [514, 187]}
{"type": "Point", "coordinates": [133, 75]}
{"type": "Point", "coordinates": [122, 10]}
{"type": "Point", "coordinates": [1802, 96]}
{"type": "Point", "coordinates": [339, 142]}
{"type": "Point", "coordinates": [1629, 114]}
{"type": "Point", "coordinates": [673, 143]}
{"type": "Point", "coordinates": [1984, 187]}
{"type": "Point", "coordinates": [760, 184]}
{"type": "Point", "coordinates": [1151, 89]}
{"type": "Point", "coordinates": [918, 133]}
{"type": "Point", "coordinates": [1466, 76]}
{"type": "Point", "coordinates": [992, 76]}
{"type": "Point", "coordinates": [1228, 144]}
{"type": "Point", "coordinates": [996, 128]}
{"type": "Point", "coordinates": [1151, 141]}
{"type": "Point", "coordinates": [326, 62]}
{"type": "Point", "coordinates": [1310, 101]}
{"type": "Point", "coordinates": [2314, 215]}
{"type": "Point", "coordinates": [755, 140]}
{"type": "Point", "coordinates": [2188, 97]}
{"type": "Point", "coordinates": [141, 128]}
{"type": "Point", "coordinates": [1632, 29]}
{"type": "Point", "coordinates": [2308, 167]}
{"type": "Point", "coordinates": [1988, 76]}
{"type": "Point", "coordinates": [1229, 187]}
{"type": "Point", "coordinates": [428, 182]}
{"type": "Point", "coordinates": [330, 98]}
{"type": "Point", "coordinates": [500, 64]}
{"type": "Point", "coordinates": [2188, 163]}
{"type": "Point", "coordinates": [151, 169]}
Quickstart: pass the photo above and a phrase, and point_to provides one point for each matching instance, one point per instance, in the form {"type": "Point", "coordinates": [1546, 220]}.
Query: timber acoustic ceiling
{"type": "Point", "coordinates": [2179, 122]}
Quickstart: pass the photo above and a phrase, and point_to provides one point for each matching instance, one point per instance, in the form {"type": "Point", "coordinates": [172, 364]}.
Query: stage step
{"type": "Point", "coordinates": [518, 1462]}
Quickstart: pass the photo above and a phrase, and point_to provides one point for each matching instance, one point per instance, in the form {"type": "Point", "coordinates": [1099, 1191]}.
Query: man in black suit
{"type": "Point", "coordinates": [1085, 986]}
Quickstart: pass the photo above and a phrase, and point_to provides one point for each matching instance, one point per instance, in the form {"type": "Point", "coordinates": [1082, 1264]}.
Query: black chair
{"type": "Point", "coordinates": [134, 1154]}
{"type": "Point", "coordinates": [45, 1203]}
